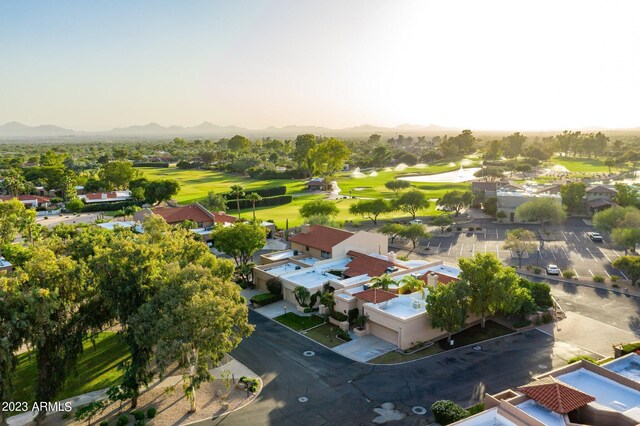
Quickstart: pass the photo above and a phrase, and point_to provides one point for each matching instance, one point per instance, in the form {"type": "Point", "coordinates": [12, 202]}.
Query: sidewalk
{"type": "Point", "coordinates": [234, 367]}
{"type": "Point", "coordinates": [627, 290]}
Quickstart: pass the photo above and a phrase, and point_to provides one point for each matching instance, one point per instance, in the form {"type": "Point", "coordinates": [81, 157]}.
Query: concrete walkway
{"type": "Point", "coordinates": [279, 308]}
{"type": "Point", "coordinates": [234, 367]}
{"type": "Point", "coordinates": [365, 348]}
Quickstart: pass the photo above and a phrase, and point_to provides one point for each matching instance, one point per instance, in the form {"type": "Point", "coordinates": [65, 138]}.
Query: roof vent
{"type": "Point", "coordinates": [392, 268]}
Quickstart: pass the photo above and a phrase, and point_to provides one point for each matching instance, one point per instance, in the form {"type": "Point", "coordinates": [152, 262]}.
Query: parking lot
{"type": "Point", "coordinates": [574, 250]}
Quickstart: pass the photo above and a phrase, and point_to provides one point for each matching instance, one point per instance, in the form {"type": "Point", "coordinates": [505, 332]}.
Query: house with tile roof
{"type": "Point", "coordinates": [28, 200]}
{"type": "Point", "coordinates": [599, 197]}
{"type": "Point", "coordinates": [581, 393]}
{"type": "Point", "coordinates": [325, 242]}
{"type": "Point", "coordinates": [105, 197]}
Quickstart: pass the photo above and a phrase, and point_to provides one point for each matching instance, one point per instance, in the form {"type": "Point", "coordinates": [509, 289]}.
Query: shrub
{"type": "Point", "coordinates": [252, 384]}
{"type": "Point", "coordinates": [478, 228]}
{"type": "Point", "coordinates": [103, 207]}
{"type": "Point", "coordinates": [459, 228]}
{"type": "Point", "coordinates": [339, 316]}
{"type": "Point", "coordinates": [104, 423]}
{"type": "Point", "coordinates": [277, 200]}
{"type": "Point", "coordinates": [568, 273]}
{"type": "Point", "coordinates": [274, 285]}
{"type": "Point", "coordinates": [158, 164]}
{"type": "Point", "coordinates": [537, 270]}
{"type": "Point", "coordinates": [614, 278]}
{"type": "Point", "coordinates": [343, 335]}
{"type": "Point", "coordinates": [446, 412]}
{"type": "Point", "coordinates": [582, 357]}
{"type": "Point", "coordinates": [265, 299]}
{"type": "Point", "coordinates": [448, 229]}
{"type": "Point", "coordinates": [475, 409]}
{"type": "Point", "coordinates": [123, 420]}
{"type": "Point", "coordinates": [151, 412]}
{"type": "Point", "coordinates": [546, 318]}
{"type": "Point", "coordinates": [138, 414]}
{"type": "Point", "coordinates": [471, 228]}
{"type": "Point", "coordinates": [615, 285]}
{"type": "Point", "coordinates": [521, 323]}
{"type": "Point", "coordinates": [598, 278]}
{"type": "Point", "coordinates": [353, 314]}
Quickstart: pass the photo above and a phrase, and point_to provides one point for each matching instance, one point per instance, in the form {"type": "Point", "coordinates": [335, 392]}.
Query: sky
{"type": "Point", "coordinates": [483, 65]}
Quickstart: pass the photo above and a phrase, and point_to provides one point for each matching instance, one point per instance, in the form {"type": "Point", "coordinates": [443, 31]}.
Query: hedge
{"type": "Point", "coordinates": [263, 174]}
{"type": "Point", "coordinates": [263, 192]}
{"type": "Point", "coordinates": [339, 316]}
{"type": "Point", "coordinates": [265, 202]}
{"type": "Point", "coordinates": [158, 164]}
{"type": "Point", "coordinates": [446, 412]}
{"type": "Point", "coordinates": [116, 205]}
{"type": "Point", "coordinates": [265, 299]}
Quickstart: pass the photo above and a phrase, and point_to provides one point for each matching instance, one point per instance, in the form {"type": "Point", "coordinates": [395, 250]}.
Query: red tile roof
{"type": "Point", "coordinates": [179, 214]}
{"type": "Point", "coordinates": [26, 197]}
{"type": "Point", "coordinates": [98, 195]}
{"type": "Point", "coordinates": [365, 264]}
{"type": "Point", "coordinates": [375, 295]}
{"type": "Point", "coordinates": [442, 278]}
{"type": "Point", "coordinates": [321, 237]}
{"type": "Point", "coordinates": [222, 217]}
{"type": "Point", "coordinates": [556, 395]}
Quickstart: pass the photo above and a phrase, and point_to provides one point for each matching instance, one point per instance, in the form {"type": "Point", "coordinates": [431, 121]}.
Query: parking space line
{"type": "Point", "coordinates": [590, 272]}
{"type": "Point", "coordinates": [498, 250]}
{"type": "Point", "coordinates": [497, 236]}
{"type": "Point", "coordinates": [617, 254]}
{"type": "Point", "coordinates": [428, 244]}
{"type": "Point", "coordinates": [605, 254]}
{"type": "Point", "coordinates": [461, 248]}
{"type": "Point", "coordinates": [565, 237]}
{"type": "Point", "coordinates": [473, 249]}
{"type": "Point", "coordinates": [485, 247]}
{"type": "Point", "coordinates": [553, 254]}
{"type": "Point", "coordinates": [605, 271]}
{"type": "Point", "coordinates": [540, 253]}
{"type": "Point", "coordinates": [577, 276]}
{"type": "Point", "coordinates": [574, 234]}
{"type": "Point", "coordinates": [449, 252]}
{"type": "Point", "coordinates": [623, 275]}
{"type": "Point", "coordinates": [439, 246]}
{"type": "Point", "coordinates": [564, 251]}
{"type": "Point", "coordinates": [581, 259]}
{"type": "Point", "coordinates": [594, 258]}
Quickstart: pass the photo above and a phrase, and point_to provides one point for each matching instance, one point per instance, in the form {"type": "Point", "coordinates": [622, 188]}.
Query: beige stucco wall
{"type": "Point", "coordinates": [364, 242]}
{"type": "Point", "coordinates": [509, 203]}
{"type": "Point", "coordinates": [313, 252]}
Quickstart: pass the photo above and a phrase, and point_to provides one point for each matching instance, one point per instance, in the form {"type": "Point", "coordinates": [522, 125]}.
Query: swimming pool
{"type": "Point", "coordinates": [607, 392]}
{"type": "Point", "coordinates": [627, 366]}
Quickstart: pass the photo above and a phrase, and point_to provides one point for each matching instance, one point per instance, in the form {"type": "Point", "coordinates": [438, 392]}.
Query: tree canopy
{"type": "Point", "coordinates": [543, 210]}
{"type": "Point", "coordinates": [371, 209]}
{"type": "Point", "coordinates": [411, 202]}
{"type": "Point", "coordinates": [319, 208]}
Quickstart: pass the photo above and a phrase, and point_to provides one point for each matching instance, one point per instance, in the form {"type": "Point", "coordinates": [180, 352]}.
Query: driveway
{"type": "Point", "coordinates": [365, 348]}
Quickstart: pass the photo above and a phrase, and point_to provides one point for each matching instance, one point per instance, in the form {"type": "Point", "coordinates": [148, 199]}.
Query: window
{"type": "Point", "coordinates": [325, 255]}
{"type": "Point", "coordinates": [306, 248]}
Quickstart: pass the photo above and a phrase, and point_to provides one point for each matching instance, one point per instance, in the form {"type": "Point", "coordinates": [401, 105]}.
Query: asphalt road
{"type": "Point", "coordinates": [344, 392]}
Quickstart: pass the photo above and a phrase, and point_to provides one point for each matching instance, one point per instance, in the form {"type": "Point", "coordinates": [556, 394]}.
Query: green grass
{"type": "Point", "coordinates": [325, 334]}
{"type": "Point", "coordinates": [299, 322]}
{"type": "Point", "coordinates": [96, 369]}
{"type": "Point", "coordinates": [582, 164]}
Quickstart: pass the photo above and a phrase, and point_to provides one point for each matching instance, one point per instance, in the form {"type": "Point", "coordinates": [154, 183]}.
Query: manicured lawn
{"type": "Point", "coordinates": [582, 164]}
{"type": "Point", "coordinates": [299, 322]}
{"type": "Point", "coordinates": [475, 334]}
{"type": "Point", "coordinates": [325, 334]}
{"type": "Point", "coordinates": [96, 369]}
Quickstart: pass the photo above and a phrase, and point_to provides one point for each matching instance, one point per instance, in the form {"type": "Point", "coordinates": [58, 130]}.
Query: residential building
{"type": "Point", "coordinates": [105, 197]}
{"type": "Point", "coordinates": [510, 200]}
{"type": "Point", "coordinates": [599, 197]}
{"type": "Point", "coordinates": [318, 184]}
{"type": "Point", "coordinates": [483, 190]}
{"type": "Point", "coordinates": [324, 242]}
{"type": "Point", "coordinates": [582, 393]}
{"type": "Point", "coordinates": [28, 200]}
{"type": "Point", "coordinates": [175, 215]}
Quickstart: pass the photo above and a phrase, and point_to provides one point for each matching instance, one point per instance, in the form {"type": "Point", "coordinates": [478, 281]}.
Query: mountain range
{"type": "Point", "coordinates": [15, 130]}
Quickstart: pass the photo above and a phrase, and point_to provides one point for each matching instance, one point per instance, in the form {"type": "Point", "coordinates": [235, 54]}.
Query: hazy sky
{"type": "Point", "coordinates": [478, 64]}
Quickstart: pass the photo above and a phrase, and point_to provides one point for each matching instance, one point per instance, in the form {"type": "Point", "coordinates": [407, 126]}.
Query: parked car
{"type": "Point", "coordinates": [416, 222]}
{"type": "Point", "coordinates": [595, 237]}
{"type": "Point", "coordinates": [553, 270]}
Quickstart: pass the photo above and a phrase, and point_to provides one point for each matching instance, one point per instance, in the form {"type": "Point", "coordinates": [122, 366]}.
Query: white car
{"type": "Point", "coordinates": [553, 270]}
{"type": "Point", "coordinates": [416, 222]}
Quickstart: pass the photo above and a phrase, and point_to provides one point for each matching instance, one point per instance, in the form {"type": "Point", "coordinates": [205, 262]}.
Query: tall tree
{"type": "Point", "coordinates": [542, 210]}
{"type": "Point", "coordinates": [414, 233]}
{"type": "Point", "coordinates": [161, 190]}
{"type": "Point", "coordinates": [520, 242]}
{"type": "Point", "coordinates": [626, 237]}
{"type": "Point", "coordinates": [238, 143]}
{"type": "Point", "coordinates": [253, 197]}
{"type": "Point", "coordinates": [630, 265]}
{"type": "Point", "coordinates": [628, 195]}
{"type": "Point", "coordinates": [371, 209]}
{"type": "Point", "coordinates": [329, 156]}
{"type": "Point", "coordinates": [513, 144]}
{"type": "Point", "coordinates": [10, 213]}
{"type": "Point", "coordinates": [382, 282]}
{"type": "Point", "coordinates": [392, 230]}
{"type": "Point", "coordinates": [304, 143]}
{"type": "Point", "coordinates": [456, 200]}
{"type": "Point", "coordinates": [610, 162]}
{"type": "Point", "coordinates": [319, 208]}
{"type": "Point", "coordinates": [447, 306]}
{"type": "Point", "coordinates": [117, 174]}
{"type": "Point", "coordinates": [442, 221]}
{"type": "Point", "coordinates": [572, 196]}
{"type": "Point", "coordinates": [237, 191]}
{"type": "Point", "coordinates": [241, 241]}
{"type": "Point", "coordinates": [397, 185]}
{"type": "Point", "coordinates": [215, 202]}
{"type": "Point", "coordinates": [412, 202]}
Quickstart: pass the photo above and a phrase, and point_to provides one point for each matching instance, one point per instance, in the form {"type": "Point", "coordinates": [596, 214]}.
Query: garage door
{"type": "Point", "coordinates": [384, 333]}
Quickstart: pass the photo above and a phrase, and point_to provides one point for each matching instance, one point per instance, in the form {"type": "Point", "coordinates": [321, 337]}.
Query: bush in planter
{"type": "Point", "coordinates": [274, 285]}
{"type": "Point", "coordinates": [361, 321]}
{"type": "Point", "coordinates": [568, 273]}
{"type": "Point", "coordinates": [339, 316]}
{"type": "Point", "coordinates": [459, 228]}
{"type": "Point", "coordinates": [343, 335]}
{"type": "Point", "coordinates": [448, 229]}
{"type": "Point", "coordinates": [471, 228]}
{"type": "Point", "coordinates": [151, 412]}
{"type": "Point", "coordinates": [352, 315]}
{"type": "Point", "coordinates": [265, 299]}
{"type": "Point", "coordinates": [475, 409]}
{"type": "Point", "coordinates": [546, 318]}
{"type": "Point", "coordinates": [446, 412]}
{"type": "Point", "coordinates": [537, 270]}
{"type": "Point", "coordinates": [614, 278]}
{"type": "Point", "coordinates": [252, 384]}
{"type": "Point", "coordinates": [123, 420]}
{"type": "Point", "coordinates": [598, 278]}
{"type": "Point", "coordinates": [478, 228]}
{"type": "Point", "coordinates": [582, 357]}
{"type": "Point", "coordinates": [138, 414]}
{"type": "Point", "coordinates": [521, 323]}
{"type": "Point", "coordinates": [104, 423]}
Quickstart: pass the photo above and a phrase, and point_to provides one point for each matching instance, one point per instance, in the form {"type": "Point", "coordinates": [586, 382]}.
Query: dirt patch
{"type": "Point", "coordinates": [213, 398]}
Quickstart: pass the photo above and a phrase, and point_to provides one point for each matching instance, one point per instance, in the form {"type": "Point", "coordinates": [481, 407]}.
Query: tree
{"type": "Point", "coordinates": [13, 181]}
{"type": "Point", "coordinates": [411, 202]}
{"type": "Point", "coordinates": [442, 221]}
{"type": "Point", "coordinates": [414, 233]}
{"type": "Point", "coordinates": [383, 282]}
{"type": "Point", "coordinates": [240, 241]}
{"type": "Point", "coordinates": [628, 195]}
{"type": "Point", "coordinates": [610, 162]}
{"type": "Point", "coordinates": [542, 210]}
{"type": "Point", "coordinates": [607, 220]}
{"type": "Point", "coordinates": [10, 213]}
{"type": "Point", "coordinates": [410, 284]}
{"type": "Point", "coordinates": [626, 237]}
{"type": "Point", "coordinates": [447, 306]}
{"type": "Point", "coordinates": [117, 174]}
{"type": "Point", "coordinates": [304, 143]}
{"type": "Point", "coordinates": [456, 200]}
{"type": "Point", "coordinates": [493, 150]}
{"type": "Point", "coordinates": [237, 191]}
{"type": "Point", "coordinates": [253, 197]}
{"type": "Point", "coordinates": [238, 143]}
{"type": "Point", "coordinates": [89, 411]}
{"type": "Point", "coordinates": [490, 173]}
{"type": "Point", "coordinates": [74, 205]}
{"type": "Point", "coordinates": [572, 195]}
{"type": "Point", "coordinates": [161, 190]}
{"type": "Point", "coordinates": [194, 319]}
{"type": "Point", "coordinates": [630, 265]}
{"type": "Point", "coordinates": [215, 202]}
{"type": "Point", "coordinates": [328, 157]}
{"type": "Point", "coordinates": [27, 225]}
{"type": "Point", "coordinates": [512, 144]}
{"type": "Point", "coordinates": [490, 283]}
{"type": "Point", "coordinates": [397, 185]}
{"type": "Point", "coordinates": [392, 230]}
{"type": "Point", "coordinates": [302, 295]}
{"type": "Point", "coordinates": [319, 208]}
{"type": "Point", "coordinates": [371, 209]}
{"type": "Point", "coordinates": [520, 242]}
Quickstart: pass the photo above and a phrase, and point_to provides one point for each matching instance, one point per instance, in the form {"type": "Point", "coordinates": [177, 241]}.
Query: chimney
{"type": "Point", "coordinates": [221, 213]}
{"type": "Point", "coordinates": [432, 279]}
{"type": "Point", "coordinates": [392, 257]}
{"type": "Point", "coordinates": [305, 229]}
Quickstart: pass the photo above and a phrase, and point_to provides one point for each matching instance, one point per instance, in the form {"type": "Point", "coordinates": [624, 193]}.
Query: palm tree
{"type": "Point", "coordinates": [253, 197]}
{"type": "Point", "coordinates": [383, 282]}
{"type": "Point", "coordinates": [411, 284]}
{"type": "Point", "coordinates": [27, 224]}
{"type": "Point", "coordinates": [302, 295]}
{"type": "Point", "coordinates": [237, 191]}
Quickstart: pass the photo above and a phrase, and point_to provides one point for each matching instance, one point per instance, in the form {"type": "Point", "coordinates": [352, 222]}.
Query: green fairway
{"type": "Point", "coordinates": [582, 164]}
{"type": "Point", "coordinates": [96, 369]}
{"type": "Point", "coordinates": [195, 184]}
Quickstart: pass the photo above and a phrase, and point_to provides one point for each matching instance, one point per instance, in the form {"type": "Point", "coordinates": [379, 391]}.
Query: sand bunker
{"type": "Point", "coordinates": [451, 164]}
{"type": "Point", "coordinates": [466, 162]}
{"type": "Point", "coordinates": [462, 175]}
{"type": "Point", "coordinates": [559, 168]}
{"type": "Point", "coordinates": [373, 173]}
{"type": "Point", "coordinates": [400, 167]}
{"type": "Point", "coordinates": [420, 166]}
{"type": "Point", "coordinates": [357, 173]}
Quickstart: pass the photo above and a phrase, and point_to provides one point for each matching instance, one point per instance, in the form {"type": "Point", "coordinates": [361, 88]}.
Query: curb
{"type": "Point", "coordinates": [580, 283]}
